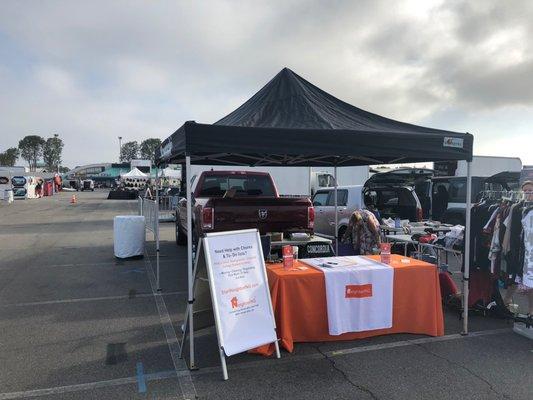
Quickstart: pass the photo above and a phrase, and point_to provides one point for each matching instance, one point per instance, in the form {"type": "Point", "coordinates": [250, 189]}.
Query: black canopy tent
{"type": "Point", "coordinates": [291, 122]}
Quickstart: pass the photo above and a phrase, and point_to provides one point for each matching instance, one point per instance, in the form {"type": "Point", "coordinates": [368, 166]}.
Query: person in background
{"type": "Point", "coordinates": [148, 192]}
{"type": "Point", "coordinates": [370, 206]}
{"type": "Point", "coordinates": [363, 232]}
{"type": "Point", "coordinates": [440, 202]}
{"type": "Point", "coordinates": [39, 188]}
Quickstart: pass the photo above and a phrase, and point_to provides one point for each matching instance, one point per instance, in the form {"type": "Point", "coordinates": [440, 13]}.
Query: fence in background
{"type": "Point", "coordinates": [150, 211]}
{"type": "Point", "coordinates": [167, 208]}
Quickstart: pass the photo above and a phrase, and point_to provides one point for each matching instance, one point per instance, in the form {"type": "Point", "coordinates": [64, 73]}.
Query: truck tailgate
{"type": "Point", "coordinates": [268, 214]}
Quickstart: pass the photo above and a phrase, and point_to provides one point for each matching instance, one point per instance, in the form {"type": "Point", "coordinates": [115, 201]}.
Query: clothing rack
{"type": "Point", "coordinates": [511, 195]}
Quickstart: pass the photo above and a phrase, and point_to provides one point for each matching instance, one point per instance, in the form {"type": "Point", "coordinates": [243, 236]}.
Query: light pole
{"type": "Point", "coordinates": [119, 147]}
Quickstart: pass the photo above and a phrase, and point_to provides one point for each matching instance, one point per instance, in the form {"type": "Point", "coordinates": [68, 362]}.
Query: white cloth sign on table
{"type": "Point", "coordinates": [359, 293]}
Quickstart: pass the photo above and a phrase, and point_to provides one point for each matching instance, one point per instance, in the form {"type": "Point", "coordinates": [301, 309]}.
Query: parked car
{"type": "Point", "coordinates": [232, 200]}
{"type": "Point", "coordinates": [87, 184]}
{"type": "Point", "coordinates": [449, 194]}
{"type": "Point", "coordinates": [443, 198]}
{"type": "Point", "coordinates": [390, 200]}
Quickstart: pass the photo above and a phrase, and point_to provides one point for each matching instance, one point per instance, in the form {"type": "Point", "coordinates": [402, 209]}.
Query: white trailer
{"type": "Point", "coordinates": [298, 181]}
{"type": "Point", "coordinates": [485, 166]}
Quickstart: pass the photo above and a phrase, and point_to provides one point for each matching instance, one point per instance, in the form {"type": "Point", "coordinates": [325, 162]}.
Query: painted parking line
{"type": "Point", "coordinates": [181, 373]}
{"type": "Point", "coordinates": [188, 390]}
{"type": "Point", "coordinates": [141, 381]}
{"type": "Point", "coordinates": [89, 299]}
{"type": "Point", "coordinates": [87, 386]}
{"type": "Point", "coordinates": [99, 264]}
{"type": "Point", "coordinates": [343, 352]}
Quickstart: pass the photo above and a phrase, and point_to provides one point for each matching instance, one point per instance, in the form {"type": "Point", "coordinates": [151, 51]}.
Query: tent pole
{"type": "Point", "coordinates": [336, 213]}
{"type": "Point", "coordinates": [156, 231]}
{"type": "Point", "coordinates": [310, 182]}
{"type": "Point", "coordinates": [466, 273]}
{"type": "Point", "coordinates": [189, 261]}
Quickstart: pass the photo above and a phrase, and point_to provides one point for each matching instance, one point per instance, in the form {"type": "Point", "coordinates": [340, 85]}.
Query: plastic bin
{"type": "Point", "coordinates": [128, 236]}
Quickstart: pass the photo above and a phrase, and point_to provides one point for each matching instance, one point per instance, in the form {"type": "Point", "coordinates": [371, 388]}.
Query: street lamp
{"type": "Point", "coordinates": [119, 147]}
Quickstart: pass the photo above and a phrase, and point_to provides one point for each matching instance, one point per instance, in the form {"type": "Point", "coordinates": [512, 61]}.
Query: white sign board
{"type": "Point", "coordinates": [239, 290]}
{"type": "Point", "coordinates": [453, 142]}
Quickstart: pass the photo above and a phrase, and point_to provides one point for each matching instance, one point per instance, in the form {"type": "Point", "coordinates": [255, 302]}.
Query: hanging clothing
{"type": "Point", "coordinates": [480, 239]}
{"type": "Point", "coordinates": [498, 233]}
{"type": "Point", "coordinates": [495, 247]}
{"type": "Point", "coordinates": [506, 245]}
{"type": "Point", "coordinates": [363, 232]}
{"type": "Point", "coordinates": [527, 226]}
{"type": "Point", "coordinates": [492, 220]}
{"type": "Point", "coordinates": [516, 244]}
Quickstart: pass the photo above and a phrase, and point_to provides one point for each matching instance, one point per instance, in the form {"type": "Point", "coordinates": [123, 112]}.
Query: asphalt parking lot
{"type": "Point", "coordinates": [76, 323]}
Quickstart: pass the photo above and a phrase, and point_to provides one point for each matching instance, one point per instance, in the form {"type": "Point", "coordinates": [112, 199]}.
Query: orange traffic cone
{"type": "Point", "coordinates": [73, 199]}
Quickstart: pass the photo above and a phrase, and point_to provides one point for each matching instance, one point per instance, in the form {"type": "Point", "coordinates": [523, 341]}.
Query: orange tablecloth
{"type": "Point", "coordinates": [299, 302]}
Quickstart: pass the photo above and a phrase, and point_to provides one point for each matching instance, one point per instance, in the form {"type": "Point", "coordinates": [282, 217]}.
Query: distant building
{"type": "Point", "coordinates": [16, 170]}
{"type": "Point", "coordinates": [527, 173]}
{"type": "Point", "coordinates": [107, 173]}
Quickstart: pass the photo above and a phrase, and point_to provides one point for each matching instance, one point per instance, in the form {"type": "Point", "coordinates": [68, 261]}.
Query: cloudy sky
{"type": "Point", "coordinates": [95, 70]}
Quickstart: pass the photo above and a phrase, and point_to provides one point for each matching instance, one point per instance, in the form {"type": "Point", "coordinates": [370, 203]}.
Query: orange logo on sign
{"type": "Point", "coordinates": [358, 291]}
{"type": "Point", "coordinates": [234, 302]}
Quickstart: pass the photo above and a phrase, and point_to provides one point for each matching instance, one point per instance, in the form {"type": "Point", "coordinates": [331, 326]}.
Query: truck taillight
{"type": "Point", "coordinates": [208, 218]}
{"type": "Point", "coordinates": [419, 214]}
{"type": "Point", "coordinates": [310, 217]}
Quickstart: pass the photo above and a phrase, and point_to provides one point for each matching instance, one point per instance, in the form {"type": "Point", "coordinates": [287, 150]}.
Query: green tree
{"type": "Point", "coordinates": [129, 151]}
{"type": "Point", "coordinates": [148, 148]}
{"type": "Point", "coordinates": [31, 149]}
{"type": "Point", "coordinates": [9, 157]}
{"type": "Point", "coordinates": [52, 153]}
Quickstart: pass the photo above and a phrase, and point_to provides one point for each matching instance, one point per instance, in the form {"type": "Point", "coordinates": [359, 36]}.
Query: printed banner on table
{"type": "Point", "coordinates": [359, 293]}
{"type": "Point", "coordinates": [239, 290]}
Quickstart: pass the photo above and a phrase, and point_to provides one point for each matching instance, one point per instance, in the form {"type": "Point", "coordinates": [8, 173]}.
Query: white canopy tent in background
{"type": "Point", "coordinates": [135, 173]}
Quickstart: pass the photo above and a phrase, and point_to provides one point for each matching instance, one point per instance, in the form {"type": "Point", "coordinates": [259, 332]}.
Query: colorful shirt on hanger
{"type": "Point", "coordinates": [527, 225]}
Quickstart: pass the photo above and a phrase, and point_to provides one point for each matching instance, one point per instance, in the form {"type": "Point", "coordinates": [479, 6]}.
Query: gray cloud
{"type": "Point", "coordinates": [95, 70]}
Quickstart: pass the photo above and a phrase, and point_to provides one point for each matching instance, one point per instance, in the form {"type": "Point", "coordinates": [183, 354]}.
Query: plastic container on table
{"type": "Point", "coordinates": [385, 252]}
{"type": "Point", "coordinates": [288, 257]}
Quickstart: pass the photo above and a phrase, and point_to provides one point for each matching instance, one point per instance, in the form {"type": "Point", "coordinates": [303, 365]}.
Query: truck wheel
{"type": "Point", "coordinates": [181, 237]}
{"type": "Point", "coordinates": [342, 230]}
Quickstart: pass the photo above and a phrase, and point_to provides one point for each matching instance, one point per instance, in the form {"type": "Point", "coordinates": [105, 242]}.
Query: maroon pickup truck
{"type": "Point", "coordinates": [232, 200]}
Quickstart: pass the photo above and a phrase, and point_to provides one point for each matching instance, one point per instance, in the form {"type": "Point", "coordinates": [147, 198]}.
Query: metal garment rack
{"type": "Point", "coordinates": [510, 195]}
{"type": "Point", "coordinates": [458, 254]}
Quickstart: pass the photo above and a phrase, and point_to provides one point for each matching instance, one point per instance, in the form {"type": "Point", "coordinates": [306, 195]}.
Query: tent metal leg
{"type": "Point", "coordinates": [466, 273]}
{"type": "Point", "coordinates": [310, 182]}
{"type": "Point", "coordinates": [156, 228]}
{"type": "Point", "coordinates": [189, 263]}
{"type": "Point", "coordinates": [189, 308]}
{"type": "Point", "coordinates": [185, 330]}
{"type": "Point", "coordinates": [336, 213]}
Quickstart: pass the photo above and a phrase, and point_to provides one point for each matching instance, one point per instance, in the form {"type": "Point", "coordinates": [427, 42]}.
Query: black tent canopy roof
{"type": "Point", "coordinates": [292, 122]}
